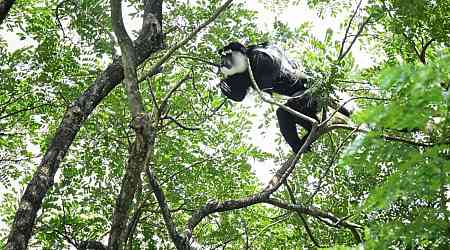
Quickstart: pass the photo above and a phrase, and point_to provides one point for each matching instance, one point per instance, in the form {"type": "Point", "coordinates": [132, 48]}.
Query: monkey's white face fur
{"type": "Point", "coordinates": [234, 62]}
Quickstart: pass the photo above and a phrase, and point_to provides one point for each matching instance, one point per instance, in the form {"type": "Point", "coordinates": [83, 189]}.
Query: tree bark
{"type": "Point", "coordinates": [74, 117]}
{"type": "Point", "coordinates": [5, 6]}
{"type": "Point", "coordinates": [142, 148]}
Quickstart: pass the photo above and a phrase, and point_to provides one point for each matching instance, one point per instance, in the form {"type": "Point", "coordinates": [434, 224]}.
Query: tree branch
{"type": "Point", "coordinates": [422, 56]}
{"type": "Point", "coordinates": [74, 117]}
{"type": "Point", "coordinates": [333, 160]}
{"type": "Point", "coordinates": [315, 212]}
{"type": "Point", "coordinates": [142, 148]}
{"type": "Point", "coordinates": [164, 102]}
{"type": "Point", "coordinates": [179, 124]}
{"type": "Point", "coordinates": [24, 110]}
{"type": "Point", "coordinates": [5, 7]}
{"type": "Point", "coordinates": [183, 42]}
{"type": "Point", "coordinates": [128, 59]}
{"type": "Point", "coordinates": [360, 30]}
{"type": "Point", "coordinates": [337, 108]}
{"type": "Point", "coordinates": [305, 222]}
{"type": "Point", "coordinates": [196, 58]}
{"type": "Point", "coordinates": [386, 137]}
{"type": "Point", "coordinates": [177, 239]}
{"type": "Point", "coordinates": [347, 30]}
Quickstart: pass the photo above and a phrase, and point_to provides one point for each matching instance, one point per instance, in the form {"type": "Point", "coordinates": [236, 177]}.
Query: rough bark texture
{"type": "Point", "coordinates": [91, 245]}
{"type": "Point", "coordinates": [73, 119]}
{"type": "Point", "coordinates": [139, 157]}
{"type": "Point", "coordinates": [5, 6]}
{"type": "Point", "coordinates": [142, 148]}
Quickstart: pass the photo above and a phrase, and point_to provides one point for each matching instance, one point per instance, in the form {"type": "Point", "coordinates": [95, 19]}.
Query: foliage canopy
{"type": "Point", "coordinates": [387, 170]}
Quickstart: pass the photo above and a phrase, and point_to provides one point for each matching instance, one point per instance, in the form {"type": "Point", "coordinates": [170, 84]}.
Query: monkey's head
{"type": "Point", "coordinates": [233, 59]}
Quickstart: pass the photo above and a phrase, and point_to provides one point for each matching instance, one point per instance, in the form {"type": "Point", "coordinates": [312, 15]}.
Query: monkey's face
{"type": "Point", "coordinates": [233, 59]}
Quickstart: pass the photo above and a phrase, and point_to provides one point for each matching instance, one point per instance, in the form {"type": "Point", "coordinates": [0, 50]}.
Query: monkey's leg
{"type": "Point", "coordinates": [288, 129]}
{"type": "Point", "coordinates": [307, 106]}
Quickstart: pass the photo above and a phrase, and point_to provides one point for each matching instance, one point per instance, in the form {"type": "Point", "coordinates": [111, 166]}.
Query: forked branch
{"type": "Point", "coordinates": [274, 184]}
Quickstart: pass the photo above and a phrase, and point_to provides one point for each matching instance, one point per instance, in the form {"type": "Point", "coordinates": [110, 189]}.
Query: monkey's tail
{"type": "Point", "coordinates": [343, 103]}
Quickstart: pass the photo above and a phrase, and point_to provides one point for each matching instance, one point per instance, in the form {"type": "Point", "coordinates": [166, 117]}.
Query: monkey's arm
{"type": "Point", "coordinates": [265, 69]}
{"type": "Point", "coordinates": [232, 90]}
{"type": "Point", "coordinates": [234, 87]}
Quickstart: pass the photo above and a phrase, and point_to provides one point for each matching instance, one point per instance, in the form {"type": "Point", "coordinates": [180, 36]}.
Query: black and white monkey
{"type": "Point", "coordinates": [274, 72]}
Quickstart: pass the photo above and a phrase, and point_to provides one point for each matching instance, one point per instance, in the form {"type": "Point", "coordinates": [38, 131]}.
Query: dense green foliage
{"type": "Point", "coordinates": [399, 191]}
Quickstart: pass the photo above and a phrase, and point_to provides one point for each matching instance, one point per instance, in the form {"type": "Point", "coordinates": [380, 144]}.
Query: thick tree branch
{"type": "Point", "coordinates": [315, 212]}
{"type": "Point", "coordinates": [128, 59]}
{"type": "Point", "coordinates": [74, 117]}
{"type": "Point", "coordinates": [177, 239]}
{"type": "Point", "coordinates": [142, 148]}
{"type": "Point", "coordinates": [274, 184]}
{"type": "Point", "coordinates": [5, 7]}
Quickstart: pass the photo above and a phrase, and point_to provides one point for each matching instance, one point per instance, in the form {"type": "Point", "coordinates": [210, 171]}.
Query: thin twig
{"type": "Point", "coordinates": [333, 160]}
{"type": "Point", "coordinates": [386, 137]}
{"type": "Point", "coordinates": [360, 30]}
{"type": "Point", "coordinates": [305, 222]}
{"type": "Point", "coordinates": [179, 124]}
{"type": "Point", "coordinates": [345, 103]}
{"type": "Point", "coordinates": [195, 58]}
{"type": "Point", "coordinates": [167, 97]}
{"type": "Point", "coordinates": [268, 226]}
{"type": "Point", "coordinates": [315, 212]}
{"type": "Point", "coordinates": [422, 56]}
{"type": "Point", "coordinates": [347, 30]}
{"type": "Point", "coordinates": [24, 110]}
{"type": "Point", "coordinates": [59, 5]}
{"type": "Point", "coordinates": [172, 50]}
{"type": "Point", "coordinates": [153, 96]}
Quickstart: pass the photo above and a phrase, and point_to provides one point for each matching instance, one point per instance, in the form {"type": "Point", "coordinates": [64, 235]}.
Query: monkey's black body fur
{"type": "Point", "coordinates": [268, 76]}
{"type": "Point", "coordinates": [274, 73]}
